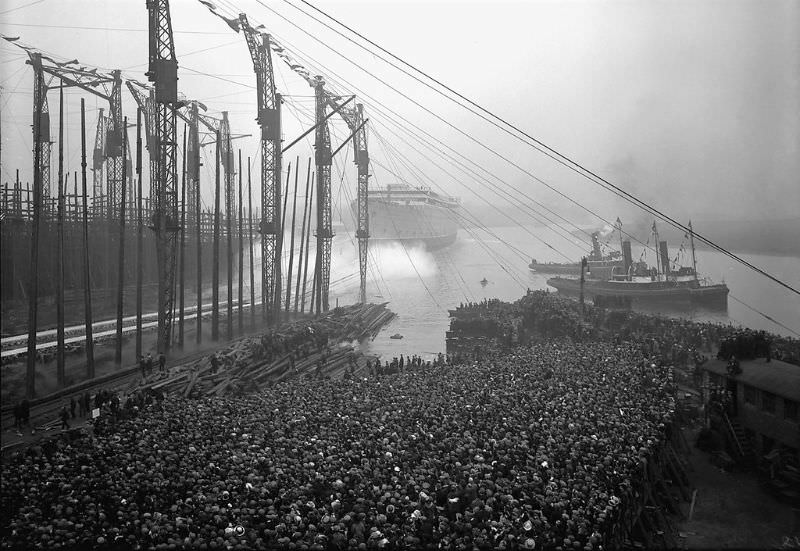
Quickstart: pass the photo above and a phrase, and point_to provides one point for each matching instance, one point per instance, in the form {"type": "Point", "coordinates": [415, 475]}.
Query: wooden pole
{"type": "Point", "coordinates": [182, 272]}
{"type": "Point", "coordinates": [302, 245]}
{"type": "Point", "coordinates": [291, 241]}
{"type": "Point", "coordinates": [583, 269]}
{"type": "Point", "coordinates": [308, 242]}
{"type": "Point", "coordinates": [215, 268]}
{"type": "Point", "coordinates": [279, 261]}
{"type": "Point", "coordinates": [241, 249]}
{"type": "Point", "coordinates": [121, 256]}
{"type": "Point", "coordinates": [312, 302]}
{"type": "Point", "coordinates": [139, 234]}
{"type": "Point", "coordinates": [33, 279]}
{"type": "Point", "coordinates": [230, 208]}
{"type": "Point", "coordinates": [87, 282]}
{"type": "Point", "coordinates": [60, 243]}
{"type": "Point", "coordinates": [199, 228]}
{"type": "Point", "coordinates": [17, 197]}
{"type": "Point", "coordinates": [250, 231]}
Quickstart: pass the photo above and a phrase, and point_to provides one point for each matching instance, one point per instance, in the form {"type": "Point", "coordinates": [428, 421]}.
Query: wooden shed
{"type": "Point", "coordinates": [764, 401]}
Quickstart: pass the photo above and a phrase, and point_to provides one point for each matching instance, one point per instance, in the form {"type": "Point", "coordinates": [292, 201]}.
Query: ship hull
{"type": "Point", "coordinates": [575, 267]}
{"type": "Point", "coordinates": [431, 226]}
{"type": "Point", "coordinates": [564, 269]}
{"type": "Point", "coordinates": [687, 293]}
{"type": "Point", "coordinates": [430, 243]}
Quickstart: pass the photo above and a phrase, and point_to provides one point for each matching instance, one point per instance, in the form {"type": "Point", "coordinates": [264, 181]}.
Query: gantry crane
{"type": "Point", "coordinates": [355, 121]}
{"type": "Point", "coordinates": [188, 111]}
{"type": "Point", "coordinates": [109, 88]}
{"type": "Point", "coordinates": [269, 120]}
{"type": "Point", "coordinates": [99, 158]}
{"type": "Point", "coordinates": [163, 72]}
{"type": "Point", "coordinates": [322, 155]}
{"type": "Point", "coordinates": [193, 162]}
{"type": "Point", "coordinates": [42, 136]}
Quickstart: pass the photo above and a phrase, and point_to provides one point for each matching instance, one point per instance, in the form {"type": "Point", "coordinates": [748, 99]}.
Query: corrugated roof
{"type": "Point", "coordinates": [777, 377]}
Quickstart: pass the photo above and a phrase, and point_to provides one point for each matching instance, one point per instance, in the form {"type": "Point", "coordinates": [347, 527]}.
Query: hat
{"type": "Point", "coordinates": [530, 543]}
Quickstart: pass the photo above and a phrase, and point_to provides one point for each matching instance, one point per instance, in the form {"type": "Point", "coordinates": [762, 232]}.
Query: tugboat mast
{"type": "Point", "coordinates": [658, 260]}
{"type": "Point", "coordinates": [691, 241]}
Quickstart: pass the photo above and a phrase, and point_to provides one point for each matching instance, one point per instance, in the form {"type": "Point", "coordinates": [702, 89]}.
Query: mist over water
{"type": "Point", "coordinates": [453, 275]}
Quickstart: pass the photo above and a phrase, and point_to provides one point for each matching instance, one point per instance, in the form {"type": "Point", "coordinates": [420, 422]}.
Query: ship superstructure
{"type": "Point", "coordinates": [413, 215]}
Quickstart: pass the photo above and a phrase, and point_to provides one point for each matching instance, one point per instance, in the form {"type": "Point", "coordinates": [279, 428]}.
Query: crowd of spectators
{"type": "Point", "coordinates": [541, 448]}
{"type": "Point", "coordinates": [678, 340]}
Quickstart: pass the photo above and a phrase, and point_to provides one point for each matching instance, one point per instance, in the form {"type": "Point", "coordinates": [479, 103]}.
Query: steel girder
{"type": "Point", "coordinates": [269, 120]}
{"type": "Point", "coordinates": [42, 110]}
{"type": "Point", "coordinates": [109, 88]}
{"type": "Point", "coordinates": [355, 121]}
{"type": "Point", "coordinates": [324, 230]}
{"type": "Point", "coordinates": [163, 72]}
{"type": "Point", "coordinates": [98, 161]}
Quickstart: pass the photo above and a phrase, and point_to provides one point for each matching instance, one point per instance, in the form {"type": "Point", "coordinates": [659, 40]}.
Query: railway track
{"type": "Point", "coordinates": [46, 409]}
{"type": "Point", "coordinates": [15, 346]}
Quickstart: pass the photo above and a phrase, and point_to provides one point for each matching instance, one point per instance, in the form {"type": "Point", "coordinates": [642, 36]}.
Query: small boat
{"type": "Point", "coordinates": [484, 282]}
{"type": "Point", "coordinates": [597, 262]}
{"type": "Point", "coordinates": [396, 336]}
{"type": "Point", "coordinates": [637, 283]}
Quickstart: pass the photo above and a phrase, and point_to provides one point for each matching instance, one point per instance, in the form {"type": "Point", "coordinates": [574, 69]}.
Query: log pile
{"type": "Point", "coordinates": [242, 368]}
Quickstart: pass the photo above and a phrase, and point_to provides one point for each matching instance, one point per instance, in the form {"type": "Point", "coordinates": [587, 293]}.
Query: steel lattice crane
{"type": "Point", "coordinates": [192, 162]}
{"type": "Point", "coordinates": [269, 120]}
{"type": "Point", "coordinates": [163, 72]}
{"type": "Point", "coordinates": [41, 108]}
{"type": "Point", "coordinates": [144, 96]}
{"type": "Point", "coordinates": [355, 121]}
{"type": "Point", "coordinates": [189, 112]}
{"type": "Point", "coordinates": [109, 88]}
{"type": "Point", "coordinates": [99, 157]}
{"type": "Point", "coordinates": [324, 231]}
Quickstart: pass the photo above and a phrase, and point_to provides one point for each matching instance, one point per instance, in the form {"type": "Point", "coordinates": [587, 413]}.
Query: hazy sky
{"type": "Point", "coordinates": [691, 105]}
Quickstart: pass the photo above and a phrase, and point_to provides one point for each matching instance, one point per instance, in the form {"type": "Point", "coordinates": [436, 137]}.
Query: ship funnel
{"type": "Point", "coordinates": [664, 252]}
{"type": "Point", "coordinates": [596, 254]}
{"type": "Point", "coordinates": [627, 258]}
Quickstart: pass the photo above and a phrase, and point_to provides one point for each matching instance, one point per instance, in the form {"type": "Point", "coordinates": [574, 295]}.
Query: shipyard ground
{"type": "Point", "coordinates": [733, 511]}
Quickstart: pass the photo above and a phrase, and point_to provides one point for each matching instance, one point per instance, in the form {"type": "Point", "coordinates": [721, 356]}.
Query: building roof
{"type": "Point", "coordinates": [777, 377]}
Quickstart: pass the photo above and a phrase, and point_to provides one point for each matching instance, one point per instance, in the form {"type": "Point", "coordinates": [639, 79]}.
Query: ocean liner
{"type": "Point", "coordinates": [413, 216]}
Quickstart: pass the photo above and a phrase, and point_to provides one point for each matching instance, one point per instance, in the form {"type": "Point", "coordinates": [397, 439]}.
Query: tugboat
{"type": "Point", "coordinates": [597, 261]}
{"type": "Point", "coordinates": [640, 284]}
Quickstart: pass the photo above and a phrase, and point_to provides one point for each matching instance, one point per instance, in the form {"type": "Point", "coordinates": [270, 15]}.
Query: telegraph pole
{"type": "Point", "coordinates": [60, 253]}
{"type": "Point", "coordinates": [215, 268]}
{"type": "Point", "coordinates": [250, 232]}
{"type": "Point", "coordinates": [87, 289]}
{"type": "Point", "coordinates": [121, 258]}
{"type": "Point", "coordinates": [139, 234]}
{"type": "Point", "coordinates": [302, 244]}
{"type": "Point", "coordinates": [291, 241]}
{"type": "Point", "coordinates": [182, 264]}
{"type": "Point", "coordinates": [241, 249]}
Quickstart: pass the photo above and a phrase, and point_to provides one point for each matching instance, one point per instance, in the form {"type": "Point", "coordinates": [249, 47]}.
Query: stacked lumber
{"type": "Point", "coordinates": [241, 367]}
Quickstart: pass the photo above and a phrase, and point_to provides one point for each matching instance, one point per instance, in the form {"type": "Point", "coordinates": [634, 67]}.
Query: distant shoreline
{"type": "Point", "coordinates": [770, 237]}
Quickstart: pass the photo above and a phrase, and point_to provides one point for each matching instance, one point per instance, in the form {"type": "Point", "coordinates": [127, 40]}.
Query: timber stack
{"type": "Point", "coordinates": [243, 366]}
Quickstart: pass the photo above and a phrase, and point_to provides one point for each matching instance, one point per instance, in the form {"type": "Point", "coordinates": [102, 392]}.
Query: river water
{"type": "Point", "coordinates": [420, 286]}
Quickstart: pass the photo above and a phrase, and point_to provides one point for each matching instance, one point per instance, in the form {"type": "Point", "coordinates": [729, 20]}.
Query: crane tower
{"type": "Point", "coordinates": [269, 120]}
{"type": "Point", "coordinates": [163, 72]}
{"type": "Point", "coordinates": [324, 230]}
